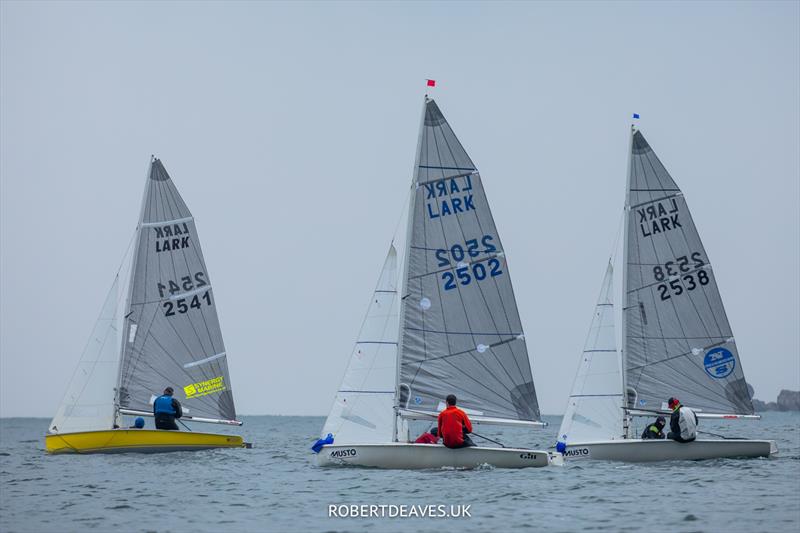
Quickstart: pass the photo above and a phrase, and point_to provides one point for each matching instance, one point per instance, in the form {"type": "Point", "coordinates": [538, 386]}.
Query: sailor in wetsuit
{"type": "Point", "coordinates": [166, 409]}
{"type": "Point", "coordinates": [682, 422]}
{"type": "Point", "coordinates": [429, 437]}
{"type": "Point", "coordinates": [655, 430]}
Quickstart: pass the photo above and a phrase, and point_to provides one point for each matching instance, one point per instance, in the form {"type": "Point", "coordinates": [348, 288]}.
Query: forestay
{"type": "Point", "coordinates": [594, 410]}
{"type": "Point", "coordinates": [171, 331]}
{"type": "Point", "coordinates": [678, 339]}
{"type": "Point", "coordinates": [461, 331]}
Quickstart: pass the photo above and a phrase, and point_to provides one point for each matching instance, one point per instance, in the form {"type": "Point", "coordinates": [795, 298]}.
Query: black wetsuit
{"type": "Point", "coordinates": [652, 432]}
{"type": "Point", "coordinates": [467, 441]}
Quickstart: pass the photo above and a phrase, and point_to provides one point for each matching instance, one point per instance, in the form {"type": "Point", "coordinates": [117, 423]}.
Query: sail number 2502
{"type": "Point", "coordinates": [676, 278]}
{"type": "Point", "coordinates": [465, 273]}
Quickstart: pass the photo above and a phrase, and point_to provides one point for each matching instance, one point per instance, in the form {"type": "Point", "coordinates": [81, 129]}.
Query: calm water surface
{"type": "Point", "coordinates": [275, 487]}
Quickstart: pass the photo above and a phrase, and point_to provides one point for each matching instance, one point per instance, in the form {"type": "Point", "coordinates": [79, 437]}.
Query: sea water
{"type": "Point", "coordinates": [276, 487]}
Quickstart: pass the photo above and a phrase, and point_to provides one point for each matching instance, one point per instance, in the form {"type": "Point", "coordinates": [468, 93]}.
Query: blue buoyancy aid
{"type": "Point", "coordinates": [163, 404]}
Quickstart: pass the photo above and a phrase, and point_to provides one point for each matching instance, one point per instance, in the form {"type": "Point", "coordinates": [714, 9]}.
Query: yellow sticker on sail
{"type": "Point", "coordinates": [209, 386]}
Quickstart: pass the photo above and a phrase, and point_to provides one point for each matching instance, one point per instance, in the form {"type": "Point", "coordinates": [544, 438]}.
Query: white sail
{"type": "Point", "coordinates": [89, 401]}
{"type": "Point", "coordinates": [362, 410]}
{"type": "Point", "coordinates": [594, 410]}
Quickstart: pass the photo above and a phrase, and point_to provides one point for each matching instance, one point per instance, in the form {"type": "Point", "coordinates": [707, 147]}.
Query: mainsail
{"type": "Point", "coordinates": [171, 333]}
{"type": "Point", "coordinates": [594, 410]}
{"type": "Point", "coordinates": [678, 341]}
{"type": "Point", "coordinates": [461, 332]}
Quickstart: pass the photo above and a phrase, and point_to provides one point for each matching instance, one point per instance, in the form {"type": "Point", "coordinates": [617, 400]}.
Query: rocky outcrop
{"type": "Point", "coordinates": [789, 400]}
{"type": "Point", "coordinates": [760, 406]}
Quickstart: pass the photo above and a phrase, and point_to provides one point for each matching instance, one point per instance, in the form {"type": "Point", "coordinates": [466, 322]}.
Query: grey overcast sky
{"type": "Point", "coordinates": [290, 130]}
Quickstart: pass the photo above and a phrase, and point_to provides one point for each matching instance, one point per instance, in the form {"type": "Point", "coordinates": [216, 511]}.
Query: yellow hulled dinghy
{"type": "Point", "coordinates": [158, 328]}
{"type": "Point", "coordinates": [138, 440]}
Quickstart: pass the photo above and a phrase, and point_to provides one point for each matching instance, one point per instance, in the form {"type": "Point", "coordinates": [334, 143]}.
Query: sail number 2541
{"type": "Point", "coordinates": [187, 283]}
{"type": "Point", "coordinates": [676, 277]}
{"type": "Point", "coordinates": [464, 273]}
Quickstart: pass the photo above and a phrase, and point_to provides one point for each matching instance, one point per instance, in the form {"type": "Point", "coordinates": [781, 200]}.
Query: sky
{"type": "Point", "coordinates": [290, 130]}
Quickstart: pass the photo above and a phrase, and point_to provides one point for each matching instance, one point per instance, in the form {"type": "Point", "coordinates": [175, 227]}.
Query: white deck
{"type": "Point", "coordinates": [638, 451]}
{"type": "Point", "coordinates": [417, 456]}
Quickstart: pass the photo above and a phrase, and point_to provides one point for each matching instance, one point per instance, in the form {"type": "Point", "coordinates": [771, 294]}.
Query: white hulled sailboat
{"type": "Point", "coordinates": [676, 339]}
{"type": "Point", "coordinates": [443, 319]}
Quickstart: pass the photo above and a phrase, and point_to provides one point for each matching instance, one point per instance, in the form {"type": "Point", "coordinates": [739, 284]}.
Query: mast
{"type": "Point", "coordinates": [129, 290]}
{"type": "Point", "coordinates": [404, 271]}
{"type": "Point", "coordinates": [624, 299]}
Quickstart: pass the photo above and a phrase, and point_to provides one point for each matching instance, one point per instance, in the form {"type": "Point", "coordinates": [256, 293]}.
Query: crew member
{"type": "Point", "coordinates": [166, 409]}
{"type": "Point", "coordinates": [429, 437]}
{"type": "Point", "coordinates": [138, 423]}
{"type": "Point", "coordinates": [682, 422]}
{"type": "Point", "coordinates": [655, 430]}
{"type": "Point", "coordinates": [454, 425]}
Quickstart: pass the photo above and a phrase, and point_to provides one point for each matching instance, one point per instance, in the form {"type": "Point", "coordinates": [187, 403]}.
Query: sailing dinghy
{"type": "Point", "coordinates": [676, 339]}
{"type": "Point", "coordinates": [443, 319]}
{"type": "Point", "coordinates": [160, 330]}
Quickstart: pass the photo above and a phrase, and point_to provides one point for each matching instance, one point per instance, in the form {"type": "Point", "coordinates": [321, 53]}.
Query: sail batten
{"type": "Point", "coordinates": [164, 222]}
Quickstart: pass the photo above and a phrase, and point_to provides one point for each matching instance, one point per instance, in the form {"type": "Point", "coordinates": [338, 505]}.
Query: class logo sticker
{"type": "Point", "coordinates": [209, 386]}
{"type": "Point", "coordinates": [719, 363]}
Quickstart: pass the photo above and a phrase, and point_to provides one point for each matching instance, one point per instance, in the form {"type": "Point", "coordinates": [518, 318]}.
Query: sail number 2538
{"type": "Point", "coordinates": [477, 270]}
{"type": "Point", "coordinates": [677, 277]}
